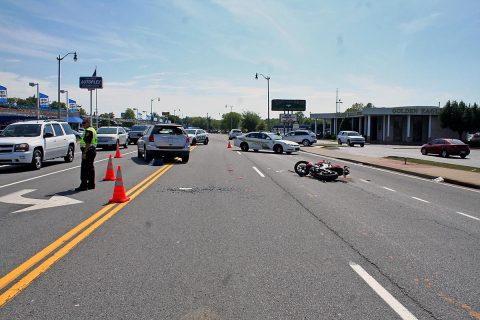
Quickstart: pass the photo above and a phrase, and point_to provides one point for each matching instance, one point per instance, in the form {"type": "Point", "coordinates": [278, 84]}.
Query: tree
{"type": "Point", "coordinates": [250, 120]}
{"type": "Point", "coordinates": [355, 107]}
{"type": "Point", "coordinates": [57, 105]}
{"type": "Point", "coordinates": [452, 116]}
{"type": "Point", "coordinates": [129, 116]}
{"type": "Point", "coordinates": [82, 111]}
{"type": "Point", "coordinates": [106, 119]}
{"type": "Point", "coordinates": [231, 120]}
{"type": "Point", "coordinates": [369, 106]}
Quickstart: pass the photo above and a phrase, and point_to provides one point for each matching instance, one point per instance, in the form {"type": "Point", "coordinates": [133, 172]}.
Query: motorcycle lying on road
{"type": "Point", "coordinates": [322, 170]}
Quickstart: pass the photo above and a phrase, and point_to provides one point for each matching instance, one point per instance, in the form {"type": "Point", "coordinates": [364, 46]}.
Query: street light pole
{"type": "Point", "coordinates": [135, 110]}
{"type": "Point", "coordinates": [59, 58]}
{"type": "Point", "coordinates": [33, 84]}
{"type": "Point", "coordinates": [337, 103]}
{"type": "Point", "coordinates": [151, 109]}
{"type": "Point", "coordinates": [67, 105]}
{"type": "Point", "coordinates": [268, 97]}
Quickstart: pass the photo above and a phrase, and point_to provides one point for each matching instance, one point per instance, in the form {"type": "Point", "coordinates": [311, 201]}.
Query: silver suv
{"type": "Point", "coordinates": [234, 133]}
{"type": "Point", "coordinates": [32, 142]}
{"type": "Point", "coordinates": [304, 137]}
{"type": "Point", "coordinates": [351, 138]}
{"type": "Point", "coordinates": [169, 140]}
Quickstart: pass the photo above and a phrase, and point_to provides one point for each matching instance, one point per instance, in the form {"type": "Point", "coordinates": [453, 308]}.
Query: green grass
{"type": "Point", "coordinates": [437, 164]}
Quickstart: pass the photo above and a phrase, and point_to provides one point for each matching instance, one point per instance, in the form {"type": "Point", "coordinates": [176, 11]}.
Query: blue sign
{"type": "Point", "coordinates": [72, 104]}
{"type": "Point", "coordinates": [91, 83]}
{"type": "Point", "coordinates": [3, 94]}
{"type": "Point", "coordinates": [44, 101]}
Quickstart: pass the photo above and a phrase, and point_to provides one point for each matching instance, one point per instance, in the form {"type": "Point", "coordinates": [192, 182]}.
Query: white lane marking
{"type": "Point", "coordinates": [239, 152]}
{"type": "Point", "coordinates": [185, 189]}
{"type": "Point", "coordinates": [389, 189]}
{"type": "Point", "coordinates": [36, 204]}
{"type": "Point", "coordinates": [393, 172]}
{"type": "Point", "coordinates": [59, 171]}
{"type": "Point", "coordinates": [258, 171]}
{"type": "Point", "coordinates": [366, 181]}
{"type": "Point", "coordinates": [383, 293]}
{"type": "Point", "coordinates": [467, 215]}
{"type": "Point", "coordinates": [420, 200]}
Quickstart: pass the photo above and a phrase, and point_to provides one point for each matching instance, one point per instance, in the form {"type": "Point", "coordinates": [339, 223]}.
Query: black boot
{"type": "Point", "coordinates": [82, 187]}
{"type": "Point", "coordinates": [91, 186]}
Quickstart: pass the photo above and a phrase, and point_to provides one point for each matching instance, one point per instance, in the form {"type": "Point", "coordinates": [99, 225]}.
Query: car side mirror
{"type": "Point", "coordinates": [48, 135]}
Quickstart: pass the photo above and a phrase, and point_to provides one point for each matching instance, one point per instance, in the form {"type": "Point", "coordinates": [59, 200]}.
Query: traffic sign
{"type": "Point", "coordinates": [288, 105]}
{"type": "Point", "coordinates": [288, 118]}
{"type": "Point", "coordinates": [91, 83]}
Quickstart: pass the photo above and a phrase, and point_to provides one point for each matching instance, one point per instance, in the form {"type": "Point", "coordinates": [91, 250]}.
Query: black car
{"type": "Point", "coordinates": [135, 133]}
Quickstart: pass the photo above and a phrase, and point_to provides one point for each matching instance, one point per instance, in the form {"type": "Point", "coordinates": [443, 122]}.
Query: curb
{"type": "Point", "coordinates": [417, 174]}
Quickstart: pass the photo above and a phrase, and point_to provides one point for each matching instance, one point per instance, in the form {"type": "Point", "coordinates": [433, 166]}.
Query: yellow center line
{"type": "Point", "coordinates": [12, 275]}
{"type": "Point", "coordinates": [35, 273]}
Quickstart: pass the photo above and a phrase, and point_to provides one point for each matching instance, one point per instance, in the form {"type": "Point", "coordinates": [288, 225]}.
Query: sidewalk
{"type": "Point", "coordinates": [453, 176]}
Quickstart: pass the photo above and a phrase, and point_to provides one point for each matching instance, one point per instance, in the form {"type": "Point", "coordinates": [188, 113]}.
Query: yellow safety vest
{"type": "Point", "coordinates": [94, 139]}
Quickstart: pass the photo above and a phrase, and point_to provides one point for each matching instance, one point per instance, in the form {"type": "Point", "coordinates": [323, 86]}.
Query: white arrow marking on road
{"type": "Point", "coordinates": [55, 201]}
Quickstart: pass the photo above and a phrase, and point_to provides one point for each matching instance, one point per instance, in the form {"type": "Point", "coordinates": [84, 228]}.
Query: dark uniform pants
{"type": "Point", "coordinates": [87, 170]}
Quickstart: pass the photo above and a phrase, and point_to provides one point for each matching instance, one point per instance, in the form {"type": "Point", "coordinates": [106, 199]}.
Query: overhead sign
{"type": "Point", "coordinates": [289, 105]}
{"type": "Point", "coordinates": [288, 118]}
{"type": "Point", "coordinates": [91, 83]}
{"type": "Point", "coordinates": [3, 94]}
{"type": "Point", "coordinates": [165, 114]}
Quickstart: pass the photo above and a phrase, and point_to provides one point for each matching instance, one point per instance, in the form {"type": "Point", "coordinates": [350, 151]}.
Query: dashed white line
{"type": "Point", "coordinates": [383, 293]}
{"type": "Point", "coordinates": [467, 215]}
{"type": "Point", "coordinates": [389, 189]}
{"type": "Point", "coordinates": [366, 181]}
{"type": "Point", "coordinates": [420, 200]}
{"type": "Point", "coordinates": [239, 152]}
{"type": "Point", "coordinates": [258, 171]}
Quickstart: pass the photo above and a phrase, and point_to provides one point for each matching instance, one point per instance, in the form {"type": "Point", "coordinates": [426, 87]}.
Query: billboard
{"type": "Point", "coordinates": [3, 94]}
{"type": "Point", "coordinates": [91, 83]}
{"type": "Point", "coordinates": [289, 105]}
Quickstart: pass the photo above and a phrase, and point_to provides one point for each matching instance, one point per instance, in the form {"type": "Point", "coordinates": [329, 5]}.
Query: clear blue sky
{"type": "Point", "coordinates": [200, 55]}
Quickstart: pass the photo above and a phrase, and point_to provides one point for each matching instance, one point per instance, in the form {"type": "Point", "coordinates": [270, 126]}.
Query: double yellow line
{"type": "Point", "coordinates": [65, 243]}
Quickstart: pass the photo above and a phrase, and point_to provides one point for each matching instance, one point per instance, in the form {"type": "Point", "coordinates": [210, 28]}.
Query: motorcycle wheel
{"type": "Point", "coordinates": [301, 168]}
{"type": "Point", "coordinates": [326, 175]}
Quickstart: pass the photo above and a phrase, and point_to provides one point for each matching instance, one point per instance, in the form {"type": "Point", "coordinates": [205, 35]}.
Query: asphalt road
{"type": "Point", "coordinates": [234, 235]}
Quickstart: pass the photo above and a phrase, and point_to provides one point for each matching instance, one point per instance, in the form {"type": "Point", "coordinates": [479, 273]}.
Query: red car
{"type": "Point", "coordinates": [446, 147]}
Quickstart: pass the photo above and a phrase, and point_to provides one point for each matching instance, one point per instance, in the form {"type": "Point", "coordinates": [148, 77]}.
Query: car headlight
{"type": "Point", "coordinates": [21, 147]}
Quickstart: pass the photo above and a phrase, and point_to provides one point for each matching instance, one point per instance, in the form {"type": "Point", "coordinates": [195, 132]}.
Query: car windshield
{"type": "Point", "coordinates": [22, 130]}
{"type": "Point", "coordinates": [274, 136]}
{"type": "Point", "coordinates": [138, 128]}
{"type": "Point", "coordinates": [456, 141]}
{"type": "Point", "coordinates": [354, 133]}
{"type": "Point", "coordinates": [191, 131]}
{"type": "Point", "coordinates": [107, 131]}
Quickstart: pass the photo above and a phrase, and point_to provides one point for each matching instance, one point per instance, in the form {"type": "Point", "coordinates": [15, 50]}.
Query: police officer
{"type": "Point", "coordinates": [88, 145]}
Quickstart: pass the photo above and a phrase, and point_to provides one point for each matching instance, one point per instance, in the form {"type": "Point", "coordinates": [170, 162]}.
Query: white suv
{"type": "Point", "coordinates": [351, 138]}
{"type": "Point", "coordinates": [164, 140]}
{"type": "Point", "coordinates": [304, 137]}
{"type": "Point", "coordinates": [32, 142]}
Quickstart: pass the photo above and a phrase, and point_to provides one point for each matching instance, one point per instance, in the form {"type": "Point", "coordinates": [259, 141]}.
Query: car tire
{"type": "Point", "coordinates": [288, 152]}
{"type": "Point", "coordinates": [255, 150]}
{"type": "Point", "coordinates": [194, 142]}
{"type": "Point", "coordinates": [185, 158]}
{"type": "Point", "coordinates": [146, 155]}
{"type": "Point", "coordinates": [139, 154]}
{"type": "Point", "coordinates": [463, 156]}
{"type": "Point", "coordinates": [362, 145]}
{"type": "Point", "coordinates": [350, 144]}
{"type": "Point", "coordinates": [244, 146]}
{"type": "Point", "coordinates": [306, 143]}
{"type": "Point", "coordinates": [70, 154]}
{"type": "Point", "coordinates": [339, 142]}
{"type": "Point", "coordinates": [125, 145]}
{"type": "Point", "coordinates": [37, 159]}
{"type": "Point", "coordinates": [278, 149]}
{"type": "Point", "coordinates": [206, 141]}
{"type": "Point", "coordinates": [424, 151]}
{"type": "Point", "coordinates": [444, 154]}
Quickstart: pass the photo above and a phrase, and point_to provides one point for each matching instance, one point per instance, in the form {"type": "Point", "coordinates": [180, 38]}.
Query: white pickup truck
{"type": "Point", "coordinates": [32, 142]}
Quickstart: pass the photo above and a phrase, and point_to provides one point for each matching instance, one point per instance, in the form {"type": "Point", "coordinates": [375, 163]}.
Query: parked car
{"type": "Point", "coordinates": [159, 140]}
{"type": "Point", "coordinates": [197, 136]}
{"type": "Point", "coordinates": [136, 132]}
{"type": "Point", "coordinates": [109, 137]}
{"type": "Point", "coordinates": [304, 137]}
{"type": "Point", "coordinates": [265, 141]}
{"type": "Point", "coordinates": [234, 133]}
{"type": "Point", "coordinates": [446, 147]}
{"type": "Point", "coordinates": [351, 138]}
{"type": "Point", "coordinates": [33, 142]}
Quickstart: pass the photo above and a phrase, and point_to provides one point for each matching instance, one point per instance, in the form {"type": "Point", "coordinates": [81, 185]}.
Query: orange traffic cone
{"type": "Point", "coordinates": [110, 174]}
{"type": "Point", "coordinates": [119, 191]}
{"type": "Point", "coordinates": [117, 153]}
{"type": "Point", "coordinates": [229, 146]}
